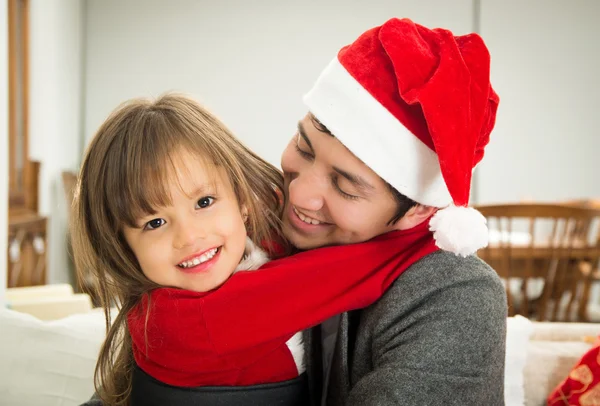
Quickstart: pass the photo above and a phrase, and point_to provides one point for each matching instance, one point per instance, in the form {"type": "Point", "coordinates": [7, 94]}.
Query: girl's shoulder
{"type": "Point", "coordinates": [254, 257]}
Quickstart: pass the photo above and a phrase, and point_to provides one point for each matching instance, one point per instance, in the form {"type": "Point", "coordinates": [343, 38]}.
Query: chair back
{"type": "Point", "coordinates": [541, 246]}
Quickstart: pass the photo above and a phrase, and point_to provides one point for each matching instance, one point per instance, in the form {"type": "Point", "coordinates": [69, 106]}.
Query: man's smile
{"type": "Point", "coordinates": [307, 219]}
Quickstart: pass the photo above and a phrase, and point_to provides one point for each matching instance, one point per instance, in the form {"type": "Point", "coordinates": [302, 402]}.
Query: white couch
{"type": "Point", "coordinates": [49, 341]}
{"type": "Point", "coordinates": [51, 362]}
{"type": "Point", "coordinates": [540, 355]}
{"type": "Point", "coordinates": [48, 363]}
{"type": "Point", "coordinates": [48, 302]}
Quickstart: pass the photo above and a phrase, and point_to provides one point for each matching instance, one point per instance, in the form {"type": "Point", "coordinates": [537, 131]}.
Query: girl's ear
{"type": "Point", "coordinates": [244, 213]}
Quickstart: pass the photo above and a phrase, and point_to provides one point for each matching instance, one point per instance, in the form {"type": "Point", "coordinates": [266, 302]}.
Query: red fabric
{"type": "Point", "coordinates": [437, 85]}
{"type": "Point", "coordinates": [236, 334]}
{"type": "Point", "coordinates": [582, 386]}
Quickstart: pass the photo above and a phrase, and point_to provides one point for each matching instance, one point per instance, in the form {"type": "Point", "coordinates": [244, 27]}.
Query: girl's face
{"type": "Point", "coordinates": [195, 242]}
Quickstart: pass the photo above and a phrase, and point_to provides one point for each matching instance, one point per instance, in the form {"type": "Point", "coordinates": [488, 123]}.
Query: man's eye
{"type": "Point", "coordinates": [205, 202]}
{"type": "Point", "coordinates": [304, 154]}
{"type": "Point", "coordinates": [337, 187]}
{"type": "Point", "coordinates": [154, 224]}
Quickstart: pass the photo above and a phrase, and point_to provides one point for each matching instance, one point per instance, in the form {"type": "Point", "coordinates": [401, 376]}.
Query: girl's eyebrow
{"type": "Point", "coordinates": [202, 189]}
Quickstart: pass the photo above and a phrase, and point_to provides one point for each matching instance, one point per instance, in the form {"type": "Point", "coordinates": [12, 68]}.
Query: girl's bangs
{"type": "Point", "coordinates": [146, 168]}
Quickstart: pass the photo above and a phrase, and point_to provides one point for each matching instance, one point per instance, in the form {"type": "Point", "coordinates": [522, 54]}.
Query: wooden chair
{"type": "Point", "coordinates": [590, 271]}
{"type": "Point", "coordinates": [544, 242]}
{"type": "Point", "coordinates": [27, 232]}
{"type": "Point", "coordinates": [69, 180]}
{"type": "Point", "coordinates": [589, 203]}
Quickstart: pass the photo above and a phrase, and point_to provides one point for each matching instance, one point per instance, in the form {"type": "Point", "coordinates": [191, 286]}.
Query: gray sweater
{"type": "Point", "coordinates": [436, 337]}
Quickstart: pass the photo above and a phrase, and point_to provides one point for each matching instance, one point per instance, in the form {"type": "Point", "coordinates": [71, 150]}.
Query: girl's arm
{"type": "Point", "coordinates": [291, 294]}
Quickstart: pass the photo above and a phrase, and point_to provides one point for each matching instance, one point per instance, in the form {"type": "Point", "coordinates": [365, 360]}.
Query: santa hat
{"type": "Point", "coordinates": [416, 105]}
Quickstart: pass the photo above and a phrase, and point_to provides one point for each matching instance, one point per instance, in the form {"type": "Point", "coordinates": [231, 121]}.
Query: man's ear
{"type": "Point", "coordinates": [415, 216]}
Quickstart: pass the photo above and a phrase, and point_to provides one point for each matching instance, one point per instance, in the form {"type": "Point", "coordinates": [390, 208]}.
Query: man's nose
{"type": "Point", "coordinates": [187, 234]}
{"type": "Point", "coordinates": [307, 191]}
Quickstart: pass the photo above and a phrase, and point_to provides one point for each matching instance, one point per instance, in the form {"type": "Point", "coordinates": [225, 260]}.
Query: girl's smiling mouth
{"type": "Point", "coordinates": [205, 258]}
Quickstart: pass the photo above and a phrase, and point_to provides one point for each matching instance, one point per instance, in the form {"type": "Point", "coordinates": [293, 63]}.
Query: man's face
{"type": "Point", "coordinates": [332, 197]}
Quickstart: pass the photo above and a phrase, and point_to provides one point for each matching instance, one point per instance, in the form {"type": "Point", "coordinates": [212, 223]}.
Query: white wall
{"type": "Point", "coordinates": [56, 34]}
{"type": "Point", "coordinates": [545, 58]}
{"type": "Point", "coordinates": [3, 145]}
{"type": "Point", "coordinates": [249, 61]}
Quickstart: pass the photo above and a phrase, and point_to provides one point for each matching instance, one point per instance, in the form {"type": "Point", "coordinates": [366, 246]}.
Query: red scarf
{"type": "Point", "coordinates": [230, 336]}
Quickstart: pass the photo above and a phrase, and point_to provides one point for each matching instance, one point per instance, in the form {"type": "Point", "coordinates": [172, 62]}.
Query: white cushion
{"type": "Point", "coordinates": [556, 331]}
{"type": "Point", "coordinates": [48, 363]}
{"type": "Point", "coordinates": [518, 331]}
{"type": "Point", "coordinates": [30, 292]}
{"type": "Point", "coordinates": [52, 308]}
{"type": "Point", "coordinates": [548, 364]}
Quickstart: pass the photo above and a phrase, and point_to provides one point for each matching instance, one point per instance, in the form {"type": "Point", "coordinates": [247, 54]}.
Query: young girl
{"type": "Point", "coordinates": [170, 211]}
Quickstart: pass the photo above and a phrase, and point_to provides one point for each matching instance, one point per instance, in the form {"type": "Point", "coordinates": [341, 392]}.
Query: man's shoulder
{"type": "Point", "coordinates": [444, 280]}
{"type": "Point", "coordinates": [444, 269]}
{"type": "Point", "coordinates": [441, 326]}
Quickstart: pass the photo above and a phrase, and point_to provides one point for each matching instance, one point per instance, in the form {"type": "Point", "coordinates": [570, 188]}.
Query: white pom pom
{"type": "Point", "coordinates": [461, 230]}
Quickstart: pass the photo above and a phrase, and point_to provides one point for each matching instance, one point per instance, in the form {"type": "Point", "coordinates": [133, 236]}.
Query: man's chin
{"type": "Point", "coordinates": [300, 241]}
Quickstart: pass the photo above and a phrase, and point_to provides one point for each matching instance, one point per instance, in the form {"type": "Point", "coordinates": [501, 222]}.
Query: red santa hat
{"type": "Point", "coordinates": [416, 105]}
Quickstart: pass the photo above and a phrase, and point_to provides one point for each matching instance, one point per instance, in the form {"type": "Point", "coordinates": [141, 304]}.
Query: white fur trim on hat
{"type": "Point", "coordinates": [461, 230]}
{"type": "Point", "coordinates": [376, 137]}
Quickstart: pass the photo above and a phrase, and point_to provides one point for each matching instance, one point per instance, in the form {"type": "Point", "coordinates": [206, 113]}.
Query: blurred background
{"type": "Point", "coordinates": [66, 64]}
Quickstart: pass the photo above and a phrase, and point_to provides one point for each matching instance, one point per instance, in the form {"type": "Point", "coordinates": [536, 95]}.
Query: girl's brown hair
{"type": "Point", "coordinates": [124, 176]}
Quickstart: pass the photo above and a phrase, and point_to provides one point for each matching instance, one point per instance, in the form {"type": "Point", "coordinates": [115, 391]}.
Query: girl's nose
{"type": "Point", "coordinates": [187, 234]}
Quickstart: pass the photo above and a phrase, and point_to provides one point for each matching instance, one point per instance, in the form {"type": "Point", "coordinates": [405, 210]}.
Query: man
{"type": "Point", "coordinates": [397, 122]}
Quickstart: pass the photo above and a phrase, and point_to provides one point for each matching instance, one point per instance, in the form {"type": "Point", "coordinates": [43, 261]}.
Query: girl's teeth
{"type": "Point", "coordinates": [199, 260]}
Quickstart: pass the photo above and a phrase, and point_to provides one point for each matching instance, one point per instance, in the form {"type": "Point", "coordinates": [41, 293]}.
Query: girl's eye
{"type": "Point", "coordinates": [154, 224]}
{"type": "Point", "coordinates": [205, 202]}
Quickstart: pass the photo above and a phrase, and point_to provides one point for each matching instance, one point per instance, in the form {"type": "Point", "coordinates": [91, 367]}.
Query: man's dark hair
{"type": "Point", "coordinates": [403, 203]}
